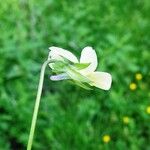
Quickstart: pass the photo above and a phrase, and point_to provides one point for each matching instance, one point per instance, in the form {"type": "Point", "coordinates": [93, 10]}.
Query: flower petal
{"type": "Point", "coordinates": [101, 80]}
{"type": "Point", "coordinates": [57, 53]}
{"type": "Point", "coordinates": [88, 55]}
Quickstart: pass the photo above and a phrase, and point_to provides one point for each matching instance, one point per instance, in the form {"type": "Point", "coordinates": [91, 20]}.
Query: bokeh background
{"type": "Point", "coordinates": [71, 118]}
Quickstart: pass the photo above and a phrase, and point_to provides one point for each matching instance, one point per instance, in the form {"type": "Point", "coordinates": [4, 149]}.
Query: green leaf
{"type": "Point", "coordinates": [14, 72]}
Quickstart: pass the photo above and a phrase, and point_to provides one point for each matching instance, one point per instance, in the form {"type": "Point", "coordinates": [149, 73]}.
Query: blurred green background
{"type": "Point", "coordinates": [72, 118]}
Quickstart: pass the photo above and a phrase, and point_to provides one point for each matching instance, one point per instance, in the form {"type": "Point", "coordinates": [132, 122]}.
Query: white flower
{"type": "Point", "coordinates": [98, 79]}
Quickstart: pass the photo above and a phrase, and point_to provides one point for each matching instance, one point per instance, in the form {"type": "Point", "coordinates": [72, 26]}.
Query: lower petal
{"type": "Point", "coordinates": [101, 80]}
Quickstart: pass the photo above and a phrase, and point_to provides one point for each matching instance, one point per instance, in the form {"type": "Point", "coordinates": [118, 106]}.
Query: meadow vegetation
{"type": "Point", "coordinates": [71, 118]}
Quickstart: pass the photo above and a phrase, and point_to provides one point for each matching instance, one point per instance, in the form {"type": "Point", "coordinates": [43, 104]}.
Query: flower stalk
{"type": "Point", "coordinates": [37, 103]}
{"type": "Point", "coordinates": [67, 66]}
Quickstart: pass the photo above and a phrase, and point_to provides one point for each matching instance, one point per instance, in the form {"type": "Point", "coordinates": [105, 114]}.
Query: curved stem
{"type": "Point", "coordinates": [37, 103]}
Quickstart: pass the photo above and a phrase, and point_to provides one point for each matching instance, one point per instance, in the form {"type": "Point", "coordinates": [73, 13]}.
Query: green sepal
{"type": "Point", "coordinates": [83, 85]}
{"type": "Point", "coordinates": [71, 69]}
{"type": "Point", "coordinates": [74, 75]}
{"type": "Point", "coordinates": [58, 66]}
{"type": "Point", "coordinates": [80, 66]}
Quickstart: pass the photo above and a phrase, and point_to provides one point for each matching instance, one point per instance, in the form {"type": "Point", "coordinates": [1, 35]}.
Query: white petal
{"type": "Point", "coordinates": [101, 80]}
{"type": "Point", "coordinates": [88, 55]}
{"type": "Point", "coordinates": [57, 53]}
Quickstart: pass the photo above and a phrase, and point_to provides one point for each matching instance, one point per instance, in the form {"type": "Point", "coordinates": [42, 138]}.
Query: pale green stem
{"type": "Point", "coordinates": [37, 103]}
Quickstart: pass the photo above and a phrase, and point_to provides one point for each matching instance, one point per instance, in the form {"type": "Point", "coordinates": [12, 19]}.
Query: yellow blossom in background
{"type": "Point", "coordinates": [148, 109]}
{"type": "Point", "coordinates": [106, 138]}
{"type": "Point", "coordinates": [133, 86]}
{"type": "Point", "coordinates": [138, 76]}
{"type": "Point", "coordinates": [126, 119]}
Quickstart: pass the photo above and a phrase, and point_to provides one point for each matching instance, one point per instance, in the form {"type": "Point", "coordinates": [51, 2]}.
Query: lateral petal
{"type": "Point", "coordinates": [59, 77]}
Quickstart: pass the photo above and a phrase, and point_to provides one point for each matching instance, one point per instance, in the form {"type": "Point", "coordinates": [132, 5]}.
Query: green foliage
{"type": "Point", "coordinates": [70, 117]}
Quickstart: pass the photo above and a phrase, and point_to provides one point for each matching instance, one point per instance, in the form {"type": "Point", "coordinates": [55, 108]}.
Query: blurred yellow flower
{"type": "Point", "coordinates": [133, 86]}
{"type": "Point", "coordinates": [148, 109]}
{"type": "Point", "coordinates": [126, 119]}
{"type": "Point", "coordinates": [138, 76]}
{"type": "Point", "coordinates": [106, 138]}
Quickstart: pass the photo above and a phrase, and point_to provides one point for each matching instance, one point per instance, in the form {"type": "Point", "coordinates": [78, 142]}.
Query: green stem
{"type": "Point", "coordinates": [37, 103]}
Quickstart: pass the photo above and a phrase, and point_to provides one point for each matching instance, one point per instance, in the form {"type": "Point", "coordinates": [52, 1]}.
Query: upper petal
{"type": "Point", "coordinates": [101, 80]}
{"type": "Point", "coordinates": [88, 55]}
{"type": "Point", "coordinates": [58, 53]}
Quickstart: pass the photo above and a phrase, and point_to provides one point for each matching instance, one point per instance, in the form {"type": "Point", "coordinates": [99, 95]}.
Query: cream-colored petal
{"type": "Point", "coordinates": [58, 54]}
{"type": "Point", "coordinates": [101, 80]}
{"type": "Point", "coordinates": [88, 55]}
